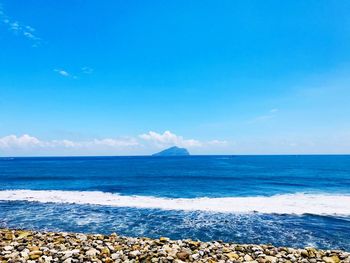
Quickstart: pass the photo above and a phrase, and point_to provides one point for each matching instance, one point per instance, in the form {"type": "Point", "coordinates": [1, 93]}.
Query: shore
{"type": "Point", "coordinates": [31, 246]}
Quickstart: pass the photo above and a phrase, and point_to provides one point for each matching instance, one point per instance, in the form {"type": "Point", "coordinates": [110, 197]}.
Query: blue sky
{"type": "Point", "coordinates": [218, 77]}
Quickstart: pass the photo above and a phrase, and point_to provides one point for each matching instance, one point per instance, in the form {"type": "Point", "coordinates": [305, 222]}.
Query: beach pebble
{"type": "Point", "coordinates": [7, 248]}
{"type": "Point", "coordinates": [70, 248]}
{"type": "Point", "coordinates": [183, 255]}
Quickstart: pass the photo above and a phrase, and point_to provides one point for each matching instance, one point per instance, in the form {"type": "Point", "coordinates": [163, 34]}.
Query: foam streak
{"type": "Point", "coordinates": [322, 204]}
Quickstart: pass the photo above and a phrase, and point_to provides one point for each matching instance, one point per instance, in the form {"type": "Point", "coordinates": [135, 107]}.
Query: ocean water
{"type": "Point", "coordinates": [293, 201]}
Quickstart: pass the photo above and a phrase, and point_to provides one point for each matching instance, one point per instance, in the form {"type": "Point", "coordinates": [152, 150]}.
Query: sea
{"type": "Point", "coordinates": [296, 201]}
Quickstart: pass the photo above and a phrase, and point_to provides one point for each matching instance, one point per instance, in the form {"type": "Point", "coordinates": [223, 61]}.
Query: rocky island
{"type": "Point", "coordinates": [173, 151]}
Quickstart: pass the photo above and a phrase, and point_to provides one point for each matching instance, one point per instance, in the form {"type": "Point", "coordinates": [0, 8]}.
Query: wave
{"type": "Point", "coordinates": [299, 203]}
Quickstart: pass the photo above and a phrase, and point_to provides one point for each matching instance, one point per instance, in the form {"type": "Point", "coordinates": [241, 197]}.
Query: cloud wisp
{"type": "Point", "coordinates": [19, 28]}
{"type": "Point", "coordinates": [87, 70]}
{"type": "Point", "coordinates": [263, 118]}
{"type": "Point", "coordinates": [62, 72]}
{"type": "Point", "coordinates": [65, 73]}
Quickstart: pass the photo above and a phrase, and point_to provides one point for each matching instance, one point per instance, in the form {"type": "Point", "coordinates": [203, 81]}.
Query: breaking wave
{"type": "Point", "coordinates": [299, 203]}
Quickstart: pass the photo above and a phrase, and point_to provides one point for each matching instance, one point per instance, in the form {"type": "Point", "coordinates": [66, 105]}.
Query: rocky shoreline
{"type": "Point", "coordinates": [31, 246]}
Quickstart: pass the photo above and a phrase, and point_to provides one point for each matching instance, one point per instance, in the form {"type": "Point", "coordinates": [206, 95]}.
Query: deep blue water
{"type": "Point", "coordinates": [183, 177]}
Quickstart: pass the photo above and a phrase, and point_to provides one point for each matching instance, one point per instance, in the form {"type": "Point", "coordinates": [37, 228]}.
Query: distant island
{"type": "Point", "coordinates": [173, 151]}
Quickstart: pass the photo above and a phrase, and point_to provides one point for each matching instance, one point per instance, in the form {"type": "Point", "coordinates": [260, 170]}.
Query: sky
{"type": "Point", "coordinates": [134, 77]}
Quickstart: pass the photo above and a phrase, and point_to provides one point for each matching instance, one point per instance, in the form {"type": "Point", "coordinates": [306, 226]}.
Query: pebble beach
{"type": "Point", "coordinates": [32, 246]}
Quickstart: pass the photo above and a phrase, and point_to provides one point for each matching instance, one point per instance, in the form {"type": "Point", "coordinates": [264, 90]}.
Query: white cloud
{"type": "Point", "coordinates": [19, 28]}
{"type": "Point", "coordinates": [62, 72]}
{"type": "Point", "coordinates": [25, 141]}
{"type": "Point", "coordinates": [169, 139]}
{"type": "Point", "coordinates": [142, 144]}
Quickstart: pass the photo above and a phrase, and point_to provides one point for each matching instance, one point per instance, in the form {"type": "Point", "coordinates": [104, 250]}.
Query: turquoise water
{"type": "Point", "coordinates": [284, 200]}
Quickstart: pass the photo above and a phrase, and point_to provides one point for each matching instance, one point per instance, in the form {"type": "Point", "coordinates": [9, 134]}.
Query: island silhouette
{"type": "Point", "coordinates": [173, 151]}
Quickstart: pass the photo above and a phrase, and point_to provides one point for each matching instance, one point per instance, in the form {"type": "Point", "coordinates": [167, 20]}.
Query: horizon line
{"type": "Point", "coordinates": [184, 156]}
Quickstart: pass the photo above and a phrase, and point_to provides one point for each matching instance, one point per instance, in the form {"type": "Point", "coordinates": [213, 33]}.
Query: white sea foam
{"type": "Point", "coordinates": [300, 203]}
